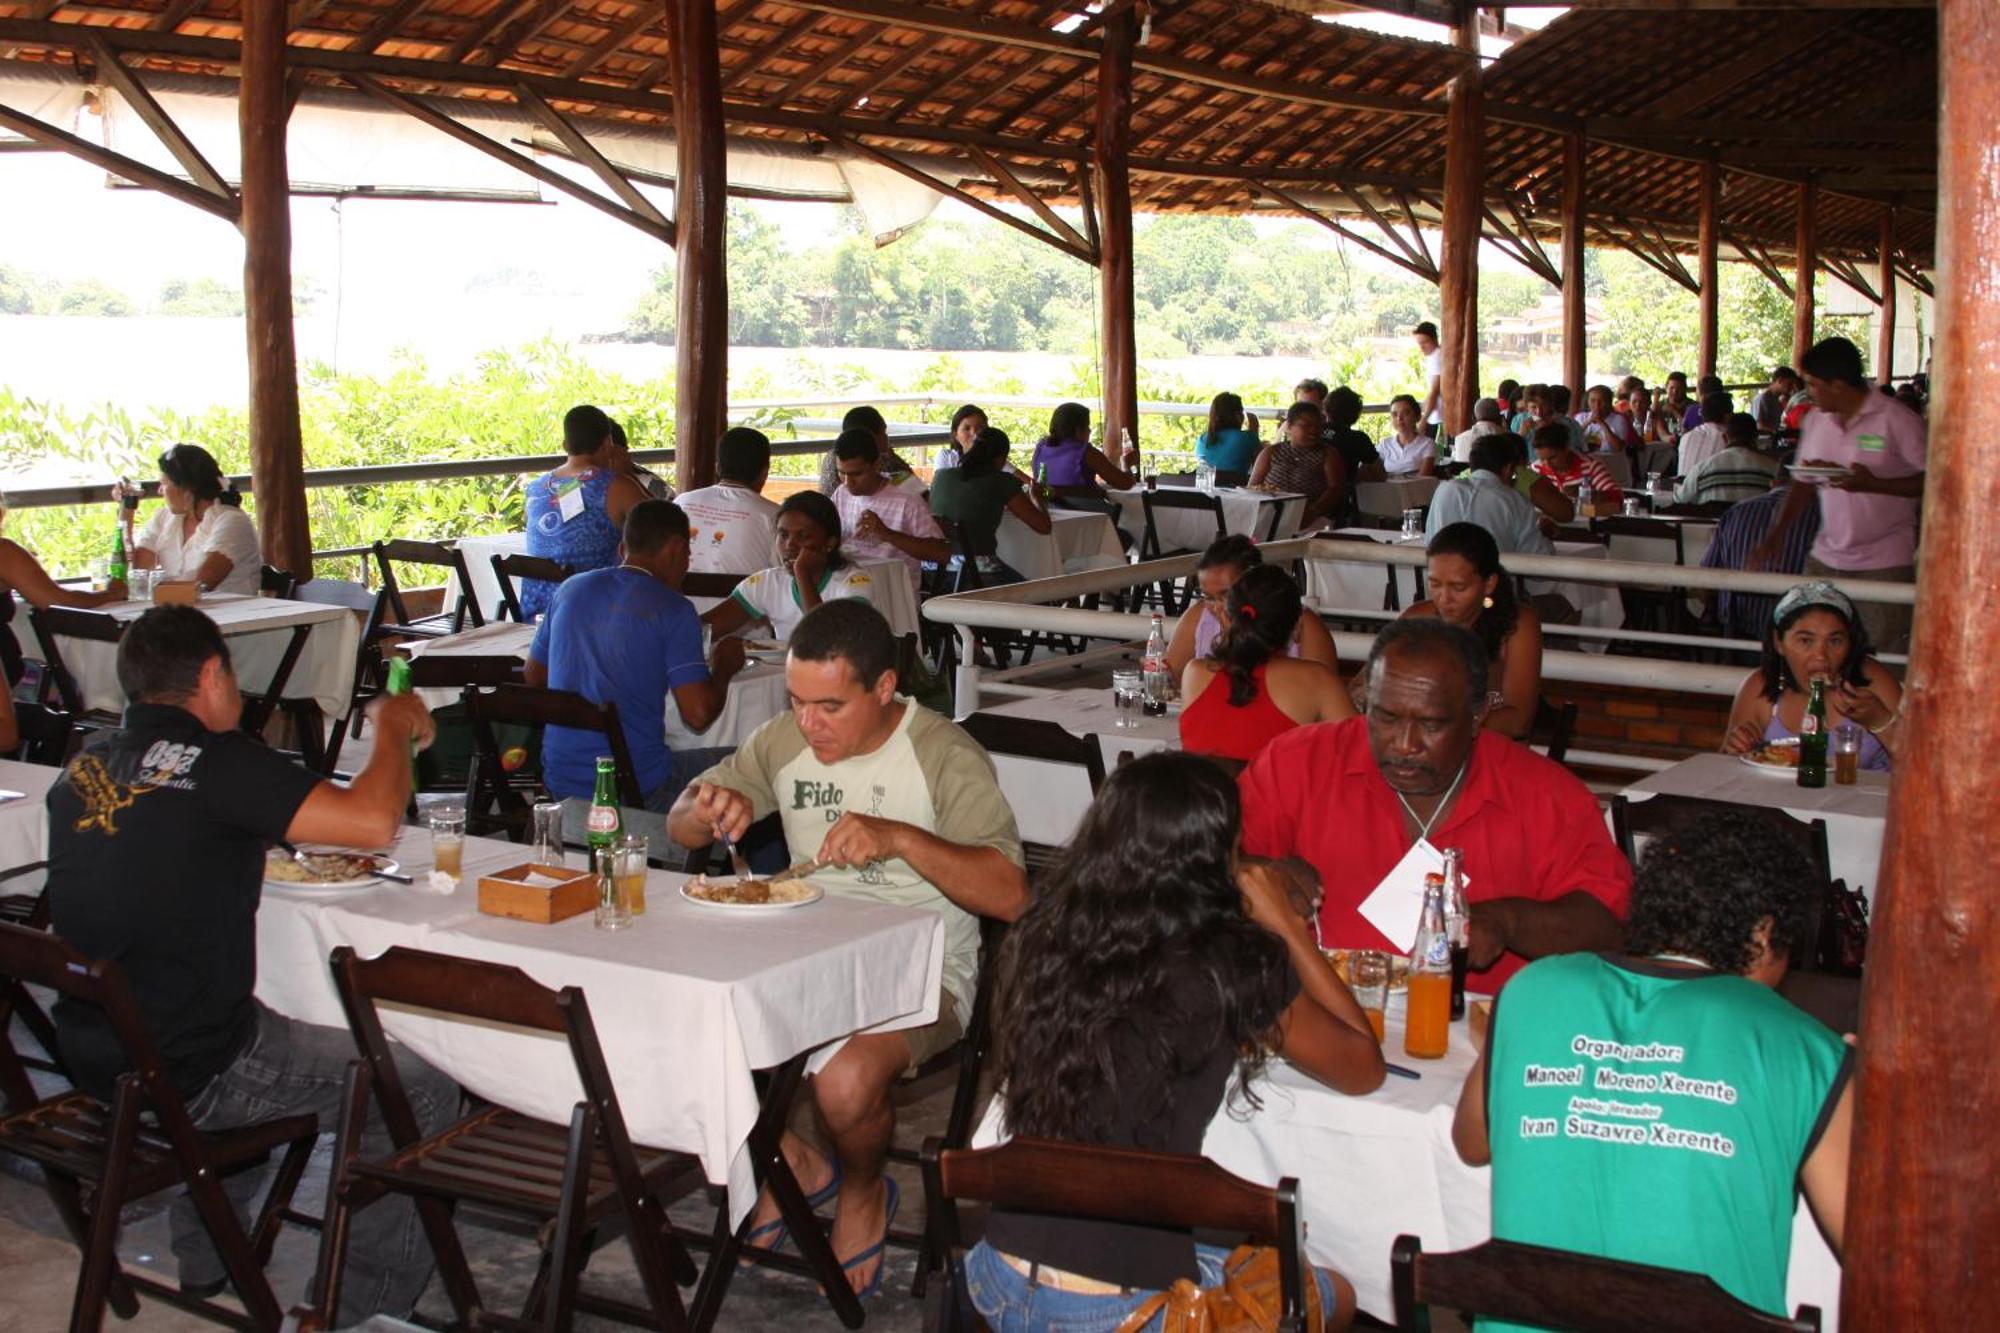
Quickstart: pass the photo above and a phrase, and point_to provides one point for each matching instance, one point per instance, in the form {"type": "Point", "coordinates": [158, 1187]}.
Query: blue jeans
{"type": "Point", "coordinates": [1011, 1304]}
{"type": "Point", "coordinates": [290, 1068]}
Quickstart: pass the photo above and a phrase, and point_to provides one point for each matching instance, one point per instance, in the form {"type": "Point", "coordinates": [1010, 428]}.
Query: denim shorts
{"type": "Point", "coordinates": [1011, 1304]}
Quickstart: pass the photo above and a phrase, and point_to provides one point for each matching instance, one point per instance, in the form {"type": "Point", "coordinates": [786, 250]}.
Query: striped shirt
{"type": "Point", "coordinates": [1602, 484]}
{"type": "Point", "coordinates": [1734, 474]}
{"type": "Point", "coordinates": [1743, 615]}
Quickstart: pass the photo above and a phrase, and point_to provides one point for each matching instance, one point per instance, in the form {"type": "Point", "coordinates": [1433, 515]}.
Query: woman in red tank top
{"type": "Point", "coordinates": [1248, 690]}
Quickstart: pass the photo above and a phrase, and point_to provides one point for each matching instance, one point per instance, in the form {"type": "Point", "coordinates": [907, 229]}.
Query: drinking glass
{"type": "Point", "coordinates": [631, 872]}
{"type": "Point", "coordinates": [139, 583]}
{"type": "Point", "coordinates": [448, 840]}
{"type": "Point", "coordinates": [1368, 978]}
{"type": "Point", "coordinates": [548, 827]}
{"type": "Point", "coordinates": [1128, 688]}
{"type": "Point", "coordinates": [1413, 522]}
{"type": "Point", "coordinates": [1633, 507]}
{"type": "Point", "coordinates": [614, 910]}
{"type": "Point", "coordinates": [1847, 754]}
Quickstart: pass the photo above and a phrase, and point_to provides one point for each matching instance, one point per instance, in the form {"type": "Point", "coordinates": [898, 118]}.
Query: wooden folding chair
{"type": "Point", "coordinates": [1576, 1293]}
{"type": "Point", "coordinates": [47, 734]}
{"type": "Point", "coordinates": [258, 707]}
{"type": "Point", "coordinates": [98, 1158]}
{"type": "Point", "coordinates": [275, 582]}
{"type": "Point", "coordinates": [1665, 814]}
{"type": "Point", "coordinates": [29, 908]}
{"type": "Point", "coordinates": [507, 568]}
{"type": "Point", "coordinates": [709, 585]}
{"type": "Point", "coordinates": [438, 556]}
{"type": "Point", "coordinates": [1149, 544]}
{"type": "Point", "coordinates": [1554, 725]}
{"type": "Point", "coordinates": [1112, 1185]}
{"type": "Point", "coordinates": [55, 623]}
{"type": "Point", "coordinates": [1043, 742]}
{"type": "Point", "coordinates": [1648, 607]}
{"type": "Point", "coordinates": [373, 608]}
{"type": "Point", "coordinates": [489, 787]}
{"type": "Point", "coordinates": [567, 1179]}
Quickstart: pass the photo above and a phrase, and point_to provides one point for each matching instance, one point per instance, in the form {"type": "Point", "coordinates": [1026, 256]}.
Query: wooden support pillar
{"type": "Point", "coordinates": [1885, 334]}
{"type": "Point", "coordinates": [1575, 334]}
{"type": "Point", "coordinates": [701, 222]}
{"type": "Point", "coordinates": [1708, 270]}
{"type": "Point", "coordinates": [1923, 1217]}
{"type": "Point", "coordinates": [277, 462]}
{"type": "Point", "coordinates": [1802, 275]}
{"type": "Point", "coordinates": [1110, 153]}
{"type": "Point", "coordinates": [1464, 208]}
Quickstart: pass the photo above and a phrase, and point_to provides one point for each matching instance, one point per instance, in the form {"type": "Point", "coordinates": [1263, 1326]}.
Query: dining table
{"type": "Point", "coordinates": [1048, 798]}
{"type": "Point", "coordinates": [1076, 541]}
{"type": "Point", "coordinates": [1393, 497]}
{"type": "Point", "coordinates": [690, 1002]}
{"type": "Point", "coordinates": [1260, 515]}
{"type": "Point", "coordinates": [24, 824]}
{"type": "Point", "coordinates": [257, 630]}
{"type": "Point", "coordinates": [1856, 815]}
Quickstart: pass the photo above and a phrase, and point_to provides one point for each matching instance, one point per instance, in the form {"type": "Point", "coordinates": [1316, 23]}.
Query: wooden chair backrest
{"type": "Point", "coordinates": [525, 705]}
{"type": "Point", "coordinates": [507, 568]}
{"type": "Point", "coordinates": [1577, 1293]}
{"type": "Point", "coordinates": [709, 585]}
{"type": "Point", "coordinates": [1665, 814]}
{"type": "Point", "coordinates": [389, 553]}
{"type": "Point", "coordinates": [1033, 738]}
{"type": "Point", "coordinates": [448, 671]}
{"type": "Point", "coordinates": [1151, 500]}
{"type": "Point", "coordinates": [54, 623]}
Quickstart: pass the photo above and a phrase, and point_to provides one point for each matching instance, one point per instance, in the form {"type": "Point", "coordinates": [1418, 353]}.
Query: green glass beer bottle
{"type": "Point", "coordinates": [605, 824]}
{"type": "Point", "coordinates": [1812, 738]}
{"type": "Point", "coordinates": [119, 565]}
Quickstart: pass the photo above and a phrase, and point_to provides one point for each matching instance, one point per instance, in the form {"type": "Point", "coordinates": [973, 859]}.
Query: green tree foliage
{"type": "Point", "coordinates": [92, 297]}
{"type": "Point", "coordinates": [204, 297]}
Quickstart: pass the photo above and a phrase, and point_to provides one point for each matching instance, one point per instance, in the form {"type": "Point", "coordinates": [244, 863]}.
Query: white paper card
{"type": "Point", "coordinates": [1397, 905]}
{"type": "Point", "coordinates": [569, 503]}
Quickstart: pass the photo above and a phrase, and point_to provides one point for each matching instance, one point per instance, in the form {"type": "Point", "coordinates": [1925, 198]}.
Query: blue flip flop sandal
{"type": "Point", "coordinates": [888, 1221]}
{"type": "Point", "coordinates": [776, 1228]}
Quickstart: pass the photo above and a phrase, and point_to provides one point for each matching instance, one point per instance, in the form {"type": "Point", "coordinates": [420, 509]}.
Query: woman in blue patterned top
{"type": "Point", "coordinates": [576, 513]}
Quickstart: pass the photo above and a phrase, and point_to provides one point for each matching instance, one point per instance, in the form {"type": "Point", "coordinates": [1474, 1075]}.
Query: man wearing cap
{"type": "Point", "coordinates": [1868, 517]}
{"type": "Point", "coordinates": [1487, 419]}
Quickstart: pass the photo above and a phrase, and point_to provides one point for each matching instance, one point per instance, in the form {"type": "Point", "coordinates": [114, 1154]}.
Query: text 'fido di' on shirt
{"type": "Point", "coordinates": [157, 833]}
{"type": "Point", "coordinates": [772, 595]}
{"type": "Point", "coordinates": [928, 774]}
{"type": "Point", "coordinates": [224, 530]}
{"type": "Point", "coordinates": [1656, 1115]}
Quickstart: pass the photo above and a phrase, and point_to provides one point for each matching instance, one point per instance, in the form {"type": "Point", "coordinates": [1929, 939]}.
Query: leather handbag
{"type": "Point", "coordinates": [1250, 1299]}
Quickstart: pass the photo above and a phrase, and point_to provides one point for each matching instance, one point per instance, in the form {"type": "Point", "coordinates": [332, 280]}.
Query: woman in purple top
{"type": "Point", "coordinates": [1066, 460]}
{"type": "Point", "coordinates": [1815, 633]}
{"type": "Point", "coordinates": [1224, 562]}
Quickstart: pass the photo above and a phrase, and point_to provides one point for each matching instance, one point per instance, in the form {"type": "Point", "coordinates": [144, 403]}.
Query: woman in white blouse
{"type": "Point", "coordinates": [1404, 450]}
{"type": "Point", "coordinates": [201, 535]}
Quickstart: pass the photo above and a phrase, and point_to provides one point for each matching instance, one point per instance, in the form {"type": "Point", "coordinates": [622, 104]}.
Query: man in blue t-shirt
{"type": "Point", "coordinates": [626, 636]}
{"type": "Point", "coordinates": [1665, 1105]}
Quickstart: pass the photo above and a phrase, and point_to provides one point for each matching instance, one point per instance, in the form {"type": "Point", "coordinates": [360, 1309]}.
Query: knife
{"type": "Point", "coordinates": [795, 872]}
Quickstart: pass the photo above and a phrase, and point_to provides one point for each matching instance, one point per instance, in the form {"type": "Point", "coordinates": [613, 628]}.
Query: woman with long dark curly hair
{"type": "Point", "coordinates": [1468, 587]}
{"type": "Point", "coordinates": [1815, 632]}
{"type": "Point", "coordinates": [1248, 689]}
{"type": "Point", "coordinates": [1128, 1007]}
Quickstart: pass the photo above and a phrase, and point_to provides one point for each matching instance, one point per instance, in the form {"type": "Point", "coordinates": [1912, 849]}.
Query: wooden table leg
{"type": "Point", "coordinates": [768, 1165]}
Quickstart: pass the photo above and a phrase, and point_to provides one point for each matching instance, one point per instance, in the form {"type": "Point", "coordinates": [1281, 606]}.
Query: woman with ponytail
{"type": "Point", "coordinates": [202, 534]}
{"type": "Point", "coordinates": [1468, 587]}
{"type": "Point", "coordinates": [1247, 689]}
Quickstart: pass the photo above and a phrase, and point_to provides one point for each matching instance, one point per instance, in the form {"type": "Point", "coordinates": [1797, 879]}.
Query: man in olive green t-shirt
{"type": "Point", "coordinates": [899, 806]}
{"type": "Point", "coordinates": [1665, 1106]}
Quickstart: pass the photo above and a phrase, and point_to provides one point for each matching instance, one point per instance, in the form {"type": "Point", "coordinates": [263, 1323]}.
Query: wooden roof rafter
{"type": "Point", "coordinates": [1404, 256]}
{"type": "Point", "coordinates": [1061, 235]}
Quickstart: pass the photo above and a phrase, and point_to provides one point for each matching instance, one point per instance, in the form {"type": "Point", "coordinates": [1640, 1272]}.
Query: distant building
{"type": "Point", "coordinates": [1539, 328]}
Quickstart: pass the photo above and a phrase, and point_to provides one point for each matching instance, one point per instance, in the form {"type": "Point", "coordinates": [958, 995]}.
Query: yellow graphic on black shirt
{"type": "Point", "coordinates": [103, 796]}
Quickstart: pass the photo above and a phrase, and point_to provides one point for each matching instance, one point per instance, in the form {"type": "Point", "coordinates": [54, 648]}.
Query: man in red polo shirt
{"type": "Point", "coordinates": [1354, 798]}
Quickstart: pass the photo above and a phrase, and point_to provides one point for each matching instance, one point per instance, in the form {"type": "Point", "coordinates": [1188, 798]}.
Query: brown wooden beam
{"type": "Point", "coordinates": [1056, 222]}
{"type": "Point", "coordinates": [601, 50]}
{"type": "Point", "coordinates": [1306, 210]}
{"type": "Point", "coordinates": [1111, 147]}
{"type": "Point", "coordinates": [826, 64]}
{"type": "Point", "coordinates": [1805, 131]}
{"type": "Point", "coordinates": [1759, 258]}
{"type": "Point", "coordinates": [1072, 248]}
{"type": "Point", "coordinates": [520, 162]}
{"type": "Point", "coordinates": [1464, 206]}
{"type": "Point", "coordinates": [113, 71]}
{"type": "Point", "coordinates": [175, 14]}
{"type": "Point", "coordinates": [585, 152]}
{"type": "Point", "coordinates": [1807, 251]}
{"type": "Point", "coordinates": [1708, 271]}
{"type": "Point", "coordinates": [1522, 247]}
{"type": "Point", "coordinates": [1885, 333]}
{"type": "Point", "coordinates": [1686, 98]}
{"type": "Point", "coordinates": [701, 339]}
{"type": "Point", "coordinates": [1689, 6]}
{"type": "Point", "coordinates": [277, 452]}
{"type": "Point", "coordinates": [504, 16]}
{"type": "Point", "coordinates": [1575, 328]}
{"type": "Point", "coordinates": [1923, 1218]}
{"type": "Point", "coordinates": [387, 26]}
{"type": "Point", "coordinates": [1850, 273]}
{"type": "Point", "coordinates": [117, 164]}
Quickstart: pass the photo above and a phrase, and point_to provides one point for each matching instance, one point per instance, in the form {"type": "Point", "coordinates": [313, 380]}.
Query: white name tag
{"type": "Point", "coordinates": [1397, 905]}
{"type": "Point", "coordinates": [569, 502]}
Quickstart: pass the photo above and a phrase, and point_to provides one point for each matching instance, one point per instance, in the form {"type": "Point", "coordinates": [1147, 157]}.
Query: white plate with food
{"type": "Point", "coordinates": [325, 869]}
{"type": "Point", "coordinates": [1819, 472]}
{"type": "Point", "coordinates": [750, 895]}
{"type": "Point", "coordinates": [1779, 756]}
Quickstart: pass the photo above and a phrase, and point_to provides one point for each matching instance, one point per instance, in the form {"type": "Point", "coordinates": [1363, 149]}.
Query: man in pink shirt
{"type": "Point", "coordinates": [879, 520]}
{"type": "Point", "coordinates": [1868, 519]}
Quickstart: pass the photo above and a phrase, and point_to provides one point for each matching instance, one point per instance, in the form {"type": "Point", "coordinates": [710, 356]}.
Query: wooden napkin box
{"type": "Point", "coordinates": [176, 592]}
{"type": "Point", "coordinates": [514, 893]}
{"type": "Point", "coordinates": [1600, 509]}
{"type": "Point", "coordinates": [1478, 1014]}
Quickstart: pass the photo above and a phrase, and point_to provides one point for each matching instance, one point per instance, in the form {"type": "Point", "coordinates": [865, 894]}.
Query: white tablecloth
{"type": "Point", "coordinates": [1049, 799]}
{"type": "Point", "coordinates": [24, 823]}
{"type": "Point", "coordinates": [756, 694]}
{"type": "Point", "coordinates": [1855, 816]}
{"type": "Point", "coordinates": [1245, 511]}
{"type": "Point", "coordinates": [1352, 584]}
{"type": "Point", "coordinates": [891, 590]}
{"type": "Point", "coordinates": [258, 630]}
{"type": "Point", "coordinates": [1390, 498]}
{"type": "Point", "coordinates": [1376, 1167]}
{"type": "Point", "coordinates": [686, 1002]}
{"type": "Point", "coordinates": [1076, 541]}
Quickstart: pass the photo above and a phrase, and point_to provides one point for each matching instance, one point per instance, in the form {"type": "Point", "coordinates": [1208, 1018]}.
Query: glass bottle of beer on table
{"type": "Point", "coordinates": [1458, 924]}
{"type": "Point", "coordinates": [1427, 1033]}
{"type": "Point", "coordinates": [1812, 737]}
{"type": "Point", "coordinates": [601, 832]}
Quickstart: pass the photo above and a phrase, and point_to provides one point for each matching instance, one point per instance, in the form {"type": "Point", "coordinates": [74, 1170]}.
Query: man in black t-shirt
{"type": "Point", "coordinates": [157, 835]}
{"type": "Point", "coordinates": [1341, 409]}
